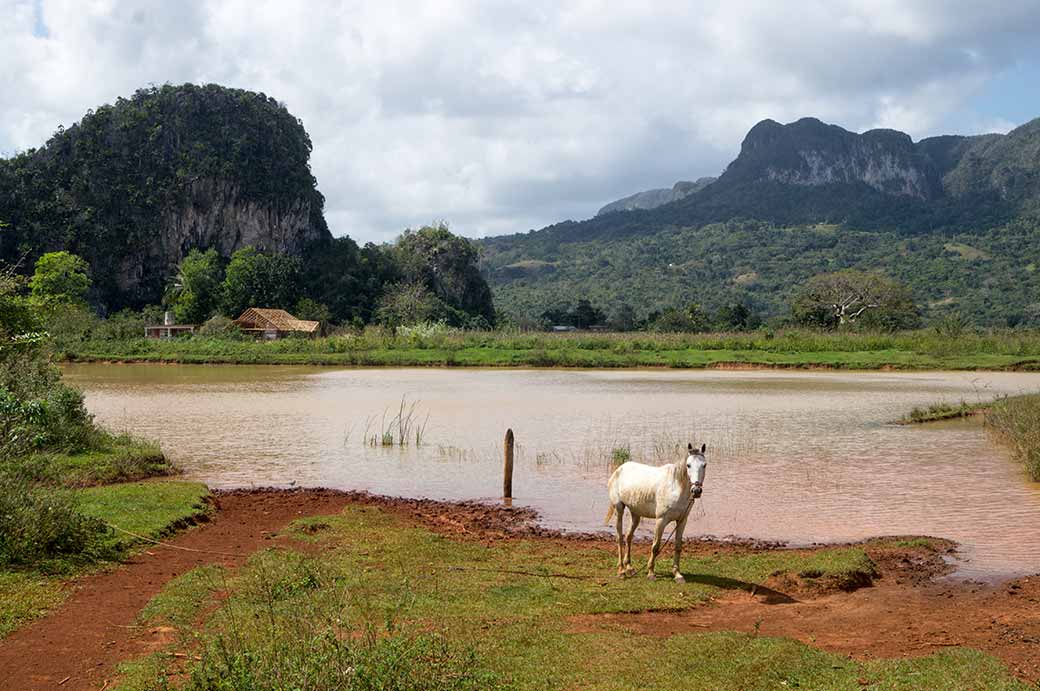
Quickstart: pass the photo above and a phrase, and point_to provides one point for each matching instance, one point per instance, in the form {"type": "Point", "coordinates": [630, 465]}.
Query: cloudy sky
{"type": "Point", "coordinates": [504, 116]}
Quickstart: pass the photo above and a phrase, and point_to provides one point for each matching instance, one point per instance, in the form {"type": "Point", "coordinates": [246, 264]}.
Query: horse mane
{"type": "Point", "coordinates": [679, 472]}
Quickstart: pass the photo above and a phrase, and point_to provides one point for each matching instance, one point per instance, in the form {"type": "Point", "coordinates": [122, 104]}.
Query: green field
{"type": "Point", "coordinates": [999, 350]}
{"type": "Point", "coordinates": [380, 603]}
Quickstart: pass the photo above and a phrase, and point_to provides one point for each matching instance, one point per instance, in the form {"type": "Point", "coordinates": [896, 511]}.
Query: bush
{"type": "Point", "coordinates": [38, 524]}
{"type": "Point", "coordinates": [219, 326]}
{"type": "Point", "coordinates": [127, 324]}
{"type": "Point", "coordinates": [56, 421]}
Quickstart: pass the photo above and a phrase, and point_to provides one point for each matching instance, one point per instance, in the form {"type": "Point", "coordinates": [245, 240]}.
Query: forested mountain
{"type": "Point", "coordinates": [956, 217]}
{"type": "Point", "coordinates": [134, 185]}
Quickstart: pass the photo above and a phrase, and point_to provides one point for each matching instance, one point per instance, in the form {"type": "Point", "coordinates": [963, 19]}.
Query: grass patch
{"type": "Point", "coordinates": [924, 349]}
{"type": "Point", "coordinates": [941, 411]}
{"type": "Point", "coordinates": [116, 458]}
{"type": "Point", "coordinates": [390, 605]}
{"type": "Point", "coordinates": [33, 584]}
{"type": "Point", "coordinates": [151, 509]}
{"type": "Point", "coordinates": [182, 600]}
{"type": "Point", "coordinates": [1016, 420]}
{"type": "Point", "coordinates": [26, 596]}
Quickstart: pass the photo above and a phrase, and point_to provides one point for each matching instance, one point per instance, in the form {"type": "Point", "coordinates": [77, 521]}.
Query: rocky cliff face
{"type": "Point", "coordinates": [135, 185]}
{"type": "Point", "coordinates": [809, 152]}
{"type": "Point", "coordinates": [216, 215]}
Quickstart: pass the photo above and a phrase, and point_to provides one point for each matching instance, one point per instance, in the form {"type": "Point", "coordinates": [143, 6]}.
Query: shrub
{"type": "Point", "coordinates": [38, 524]}
{"type": "Point", "coordinates": [220, 326]}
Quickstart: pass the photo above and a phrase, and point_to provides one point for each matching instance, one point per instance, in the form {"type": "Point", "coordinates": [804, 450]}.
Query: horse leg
{"type": "Point", "coordinates": [680, 526]}
{"type": "Point", "coordinates": [620, 539]}
{"type": "Point", "coordinates": [655, 548]}
{"type": "Point", "coordinates": [628, 545]}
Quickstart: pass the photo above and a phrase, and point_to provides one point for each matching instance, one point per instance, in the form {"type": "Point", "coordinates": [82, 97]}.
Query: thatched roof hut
{"type": "Point", "coordinates": [271, 324]}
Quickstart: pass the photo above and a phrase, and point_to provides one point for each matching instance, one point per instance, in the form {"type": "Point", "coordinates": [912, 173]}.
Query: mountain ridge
{"type": "Point", "coordinates": [928, 202]}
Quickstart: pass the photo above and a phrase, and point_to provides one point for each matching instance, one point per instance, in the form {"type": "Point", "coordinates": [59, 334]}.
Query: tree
{"type": "Point", "coordinates": [404, 304]}
{"type": "Point", "coordinates": [736, 316]}
{"type": "Point", "coordinates": [348, 279]}
{"type": "Point", "coordinates": [844, 298]}
{"type": "Point", "coordinates": [195, 293]}
{"type": "Point", "coordinates": [447, 265]}
{"type": "Point", "coordinates": [255, 279]}
{"type": "Point", "coordinates": [311, 310]}
{"type": "Point", "coordinates": [624, 318]}
{"type": "Point", "coordinates": [689, 319]}
{"type": "Point", "coordinates": [60, 278]}
{"type": "Point", "coordinates": [585, 315]}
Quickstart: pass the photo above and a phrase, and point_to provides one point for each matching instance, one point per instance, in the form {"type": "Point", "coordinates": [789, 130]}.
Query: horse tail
{"type": "Point", "coordinates": [610, 514]}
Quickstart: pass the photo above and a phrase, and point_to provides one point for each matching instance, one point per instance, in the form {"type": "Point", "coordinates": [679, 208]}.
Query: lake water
{"type": "Point", "coordinates": [796, 456]}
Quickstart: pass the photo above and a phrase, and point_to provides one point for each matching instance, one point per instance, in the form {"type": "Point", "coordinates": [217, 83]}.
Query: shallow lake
{"type": "Point", "coordinates": [796, 456]}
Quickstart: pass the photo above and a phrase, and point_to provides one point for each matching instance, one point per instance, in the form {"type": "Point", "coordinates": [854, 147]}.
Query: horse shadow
{"type": "Point", "coordinates": [767, 595]}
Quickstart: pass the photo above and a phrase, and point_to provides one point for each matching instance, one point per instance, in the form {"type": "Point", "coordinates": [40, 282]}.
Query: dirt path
{"type": "Point", "coordinates": [905, 613]}
{"type": "Point", "coordinates": [93, 630]}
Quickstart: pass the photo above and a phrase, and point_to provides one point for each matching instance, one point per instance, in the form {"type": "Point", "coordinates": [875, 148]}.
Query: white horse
{"type": "Point", "coordinates": [666, 493]}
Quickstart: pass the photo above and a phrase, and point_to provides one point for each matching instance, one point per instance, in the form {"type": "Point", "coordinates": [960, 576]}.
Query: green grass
{"type": "Point", "coordinates": [151, 509]}
{"type": "Point", "coordinates": [386, 604]}
{"type": "Point", "coordinates": [942, 411]}
{"type": "Point", "coordinates": [1016, 420]}
{"type": "Point", "coordinates": [182, 599]}
{"type": "Point", "coordinates": [26, 596]}
{"type": "Point", "coordinates": [924, 349]}
{"type": "Point", "coordinates": [115, 458]}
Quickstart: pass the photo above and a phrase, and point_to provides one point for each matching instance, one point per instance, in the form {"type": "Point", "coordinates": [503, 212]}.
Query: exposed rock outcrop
{"type": "Point", "coordinates": [135, 185]}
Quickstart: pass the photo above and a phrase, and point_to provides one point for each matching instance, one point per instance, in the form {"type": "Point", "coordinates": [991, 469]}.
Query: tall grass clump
{"type": "Point", "coordinates": [620, 454]}
{"type": "Point", "coordinates": [402, 429]}
{"type": "Point", "coordinates": [941, 411]}
{"type": "Point", "coordinates": [1017, 421]}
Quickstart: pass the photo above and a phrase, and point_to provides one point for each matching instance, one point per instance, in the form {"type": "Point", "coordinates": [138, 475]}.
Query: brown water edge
{"type": "Point", "coordinates": [796, 457]}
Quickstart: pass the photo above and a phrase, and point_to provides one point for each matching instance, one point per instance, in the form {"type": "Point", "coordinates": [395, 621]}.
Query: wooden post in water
{"type": "Point", "coordinates": [507, 479]}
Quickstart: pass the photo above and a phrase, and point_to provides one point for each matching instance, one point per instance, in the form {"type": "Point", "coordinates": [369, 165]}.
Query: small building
{"type": "Point", "coordinates": [270, 324]}
{"type": "Point", "coordinates": [168, 329]}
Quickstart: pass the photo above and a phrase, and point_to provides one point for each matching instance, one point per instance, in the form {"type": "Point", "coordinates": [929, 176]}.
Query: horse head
{"type": "Point", "coordinates": [696, 465]}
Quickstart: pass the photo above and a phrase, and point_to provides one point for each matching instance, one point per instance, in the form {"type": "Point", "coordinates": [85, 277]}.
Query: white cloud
{"type": "Point", "coordinates": [503, 116]}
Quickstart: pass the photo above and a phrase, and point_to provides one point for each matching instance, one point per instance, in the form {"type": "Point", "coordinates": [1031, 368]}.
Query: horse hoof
{"type": "Point", "coordinates": [651, 576]}
{"type": "Point", "coordinates": [679, 578]}
{"type": "Point", "coordinates": [630, 572]}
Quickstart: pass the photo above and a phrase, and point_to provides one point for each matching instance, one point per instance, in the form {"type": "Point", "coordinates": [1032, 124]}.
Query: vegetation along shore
{"type": "Point", "coordinates": [436, 345]}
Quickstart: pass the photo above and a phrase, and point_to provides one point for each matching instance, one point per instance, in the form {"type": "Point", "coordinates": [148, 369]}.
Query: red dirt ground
{"type": "Point", "coordinates": [905, 613]}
